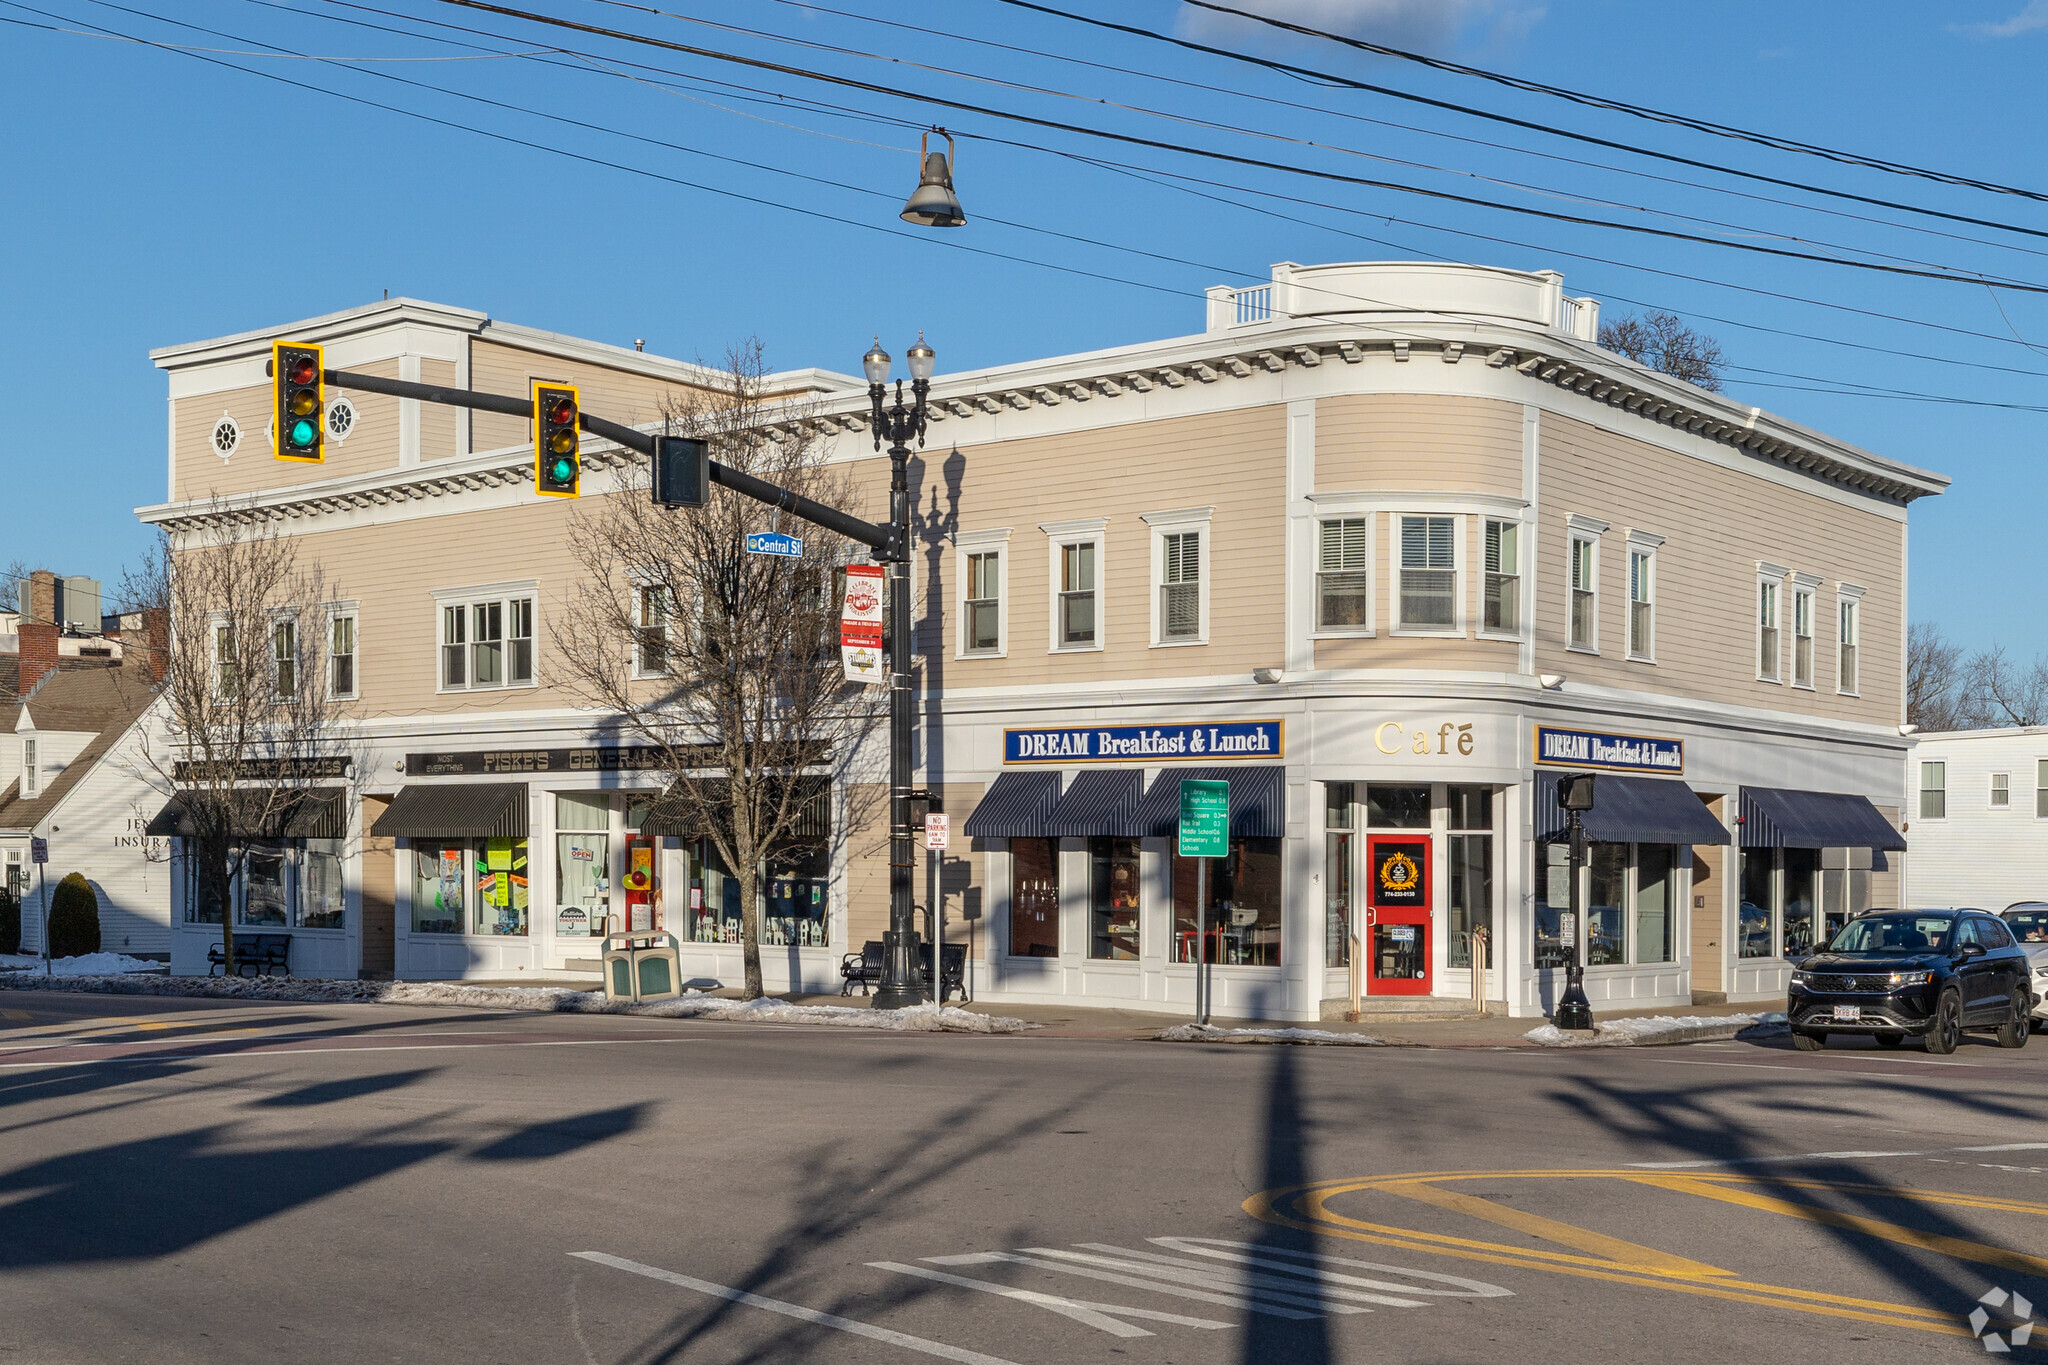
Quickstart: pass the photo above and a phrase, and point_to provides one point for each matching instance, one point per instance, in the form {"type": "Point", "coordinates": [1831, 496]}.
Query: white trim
{"type": "Point", "coordinates": [507, 593]}
{"type": "Point", "coordinates": [339, 611]}
{"type": "Point", "coordinates": [1850, 597]}
{"type": "Point", "coordinates": [234, 439]}
{"type": "Point", "coordinates": [633, 669]}
{"type": "Point", "coordinates": [1773, 577]}
{"type": "Point", "coordinates": [1058, 535]}
{"type": "Point", "coordinates": [1647, 540]}
{"type": "Point", "coordinates": [510, 587]}
{"type": "Point", "coordinates": [1640, 545]}
{"type": "Point", "coordinates": [1802, 590]}
{"type": "Point", "coordinates": [1187, 521]}
{"type": "Point", "coordinates": [1391, 499]}
{"type": "Point", "coordinates": [1179, 518]}
{"type": "Point", "coordinates": [967, 544]}
{"type": "Point", "coordinates": [1991, 787]}
{"type": "Point", "coordinates": [1525, 535]}
{"type": "Point", "coordinates": [339, 404]}
{"type": "Point", "coordinates": [1456, 630]}
{"type": "Point", "coordinates": [1920, 787]}
{"type": "Point", "coordinates": [1318, 631]}
{"type": "Point", "coordinates": [1581, 531]}
{"type": "Point", "coordinates": [1592, 526]}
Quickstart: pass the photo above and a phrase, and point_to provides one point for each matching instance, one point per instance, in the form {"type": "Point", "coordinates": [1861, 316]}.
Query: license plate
{"type": "Point", "coordinates": [1848, 1013]}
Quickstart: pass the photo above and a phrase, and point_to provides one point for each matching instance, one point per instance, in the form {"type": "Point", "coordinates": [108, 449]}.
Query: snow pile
{"type": "Point", "coordinates": [533, 999]}
{"type": "Point", "coordinates": [1657, 1030]}
{"type": "Point", "coordinates": [86, 964]}
{"type": "Point", "coordinates": [1209, 1033]}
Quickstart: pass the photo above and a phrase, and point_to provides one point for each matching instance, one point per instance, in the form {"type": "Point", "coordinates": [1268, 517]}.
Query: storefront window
{"type": "Point", "coordinates": [1754, 937]}
{"type": "Point", "coordinates": [1390, 807]}
{"type": "Point", "coordinates": [1553, 900]}
{"type": "Point", "coordinates": [714, 898]}
{"type": "Point", "coordinates": [1337, 853]}
{"type": "Point", "coordinates": [501, 887]}
{"type": "Point", "coordinates": [1113, 899]}
{"type": "Point", "coordinates": [1656, 873]}
{"type": "Point", "coordinates": [1606, 898]}
{"type": "Point", "coordinates": [583, 861]}
{"type": "Point", "coordinates": [264, 895]}
{"type": "Point", "coordinates": [1034, 898]}
{"type": "Point", "coordinates": [321, 901]}
{"type": "Point", "coordinates": [796, 888]}
{"type": "Point", "coordinates": [1471, 871]}
{"type": "Point", "coordinates": [1243, 920]}
{"type": "Point", "coordinates": [440, 878]}
{"type": "Point", "coordinates": [1802, 872]}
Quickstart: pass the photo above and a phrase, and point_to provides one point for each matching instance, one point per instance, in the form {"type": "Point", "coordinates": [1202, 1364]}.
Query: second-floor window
{"type": "Point", "coordinates": [1933, 790]}
{"type": "Point", "coordinates": [984, 602]}
{"type": "Point", "coordinates": [227, 671]}
{"type": "Point", "coordinates": [1767, 631]}
{"type": "Point", "coordinates": [1180, 585]}
{"type": "Point", "coordinates": [1585, 593]}
{"type": "Point", "coordinates": [1503, 608]}
{"type": "Point", "coordinates": [284, 657]}
{"type": "Point", "coordinates": [1642, 599]}
{"type": "Point", "coordinates": [1429, 573]}
{"type": "Point", "coordinates": [1077, 594]}
{"type": "Point", "coordinates": [31, 776]}
{"type": "Point", "coordinates": [2001, 791]}
{"type": "Point", "coordinates": [650, 644]}
{"type": "Point", "coordinates": [1343, 575]}
{"type": "Point", "coordinates": [1802, 638]}
{"type": "Point", "coordinates": [487, 643]}
{"type": "Point", "coordinates": [2041, 788]}
{"type": "Point", "coordinates": [1851, 611]}
{"type": "Point", "coordinates": [341, 658]}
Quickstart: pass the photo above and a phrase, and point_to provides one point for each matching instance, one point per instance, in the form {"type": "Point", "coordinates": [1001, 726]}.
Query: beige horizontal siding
{"type": "Point", "coordinates": [964, 872]}
{"type": "Point", "coordinates": [199, 472]}
{"type": "Point", "coordinates": [620, 396]}
{"type": "Point", "coordinates": [1718, 524]}
{"type": "Point", "coordinates": [1461, 445]}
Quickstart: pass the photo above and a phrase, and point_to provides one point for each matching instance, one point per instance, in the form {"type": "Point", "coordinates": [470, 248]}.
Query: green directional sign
{"type": "Point", "coordinates": [1204, 818]}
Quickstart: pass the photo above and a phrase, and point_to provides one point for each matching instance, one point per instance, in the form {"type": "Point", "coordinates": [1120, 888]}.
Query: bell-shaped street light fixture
{"type": "Point", "coordinates": [933, 203]}
{"type": "Point", "coordinates": [922, 358]}
{"type": "Point", "coordinates": [876, 363]}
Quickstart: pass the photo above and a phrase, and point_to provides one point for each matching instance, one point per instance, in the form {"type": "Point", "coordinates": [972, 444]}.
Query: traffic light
{"type": "Point", "coordinates": [557, 466]}
{"type": "Point", "coordinates": [682, 472]}
{"type": "Point", "coordinates": [298, 386]}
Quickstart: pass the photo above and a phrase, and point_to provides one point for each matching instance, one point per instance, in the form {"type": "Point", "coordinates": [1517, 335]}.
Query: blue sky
{"type": "Point", "coordinates": [163, 197]}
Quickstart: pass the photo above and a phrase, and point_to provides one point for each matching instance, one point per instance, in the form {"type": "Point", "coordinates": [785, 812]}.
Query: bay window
{"type": "Point", "coordinates": [1343, 576]}
{"type": "Point", "coordinates": [1502, 612]}
{"type": "Point", "coordinates": [1429, 576]}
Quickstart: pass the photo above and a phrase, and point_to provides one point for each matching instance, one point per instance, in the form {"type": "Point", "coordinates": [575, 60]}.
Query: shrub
{"type": "Point", "coordinates": [10, 924]}
{"type": "Point", "coordinates": [74, 918]}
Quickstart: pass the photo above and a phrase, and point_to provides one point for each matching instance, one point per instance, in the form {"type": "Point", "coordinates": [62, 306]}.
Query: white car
{"type": "Point", "coordinates": [2028, 921]}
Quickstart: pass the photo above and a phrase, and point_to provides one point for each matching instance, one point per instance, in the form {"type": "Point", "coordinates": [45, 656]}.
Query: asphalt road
{"type": "Point", "coordinates": [222, 1182]}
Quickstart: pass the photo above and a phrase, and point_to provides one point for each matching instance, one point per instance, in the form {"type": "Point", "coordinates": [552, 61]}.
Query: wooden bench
{"type": "Point", "coordinates": [255, 955]}
{"type": "Point", "coordinates": [863, 968]}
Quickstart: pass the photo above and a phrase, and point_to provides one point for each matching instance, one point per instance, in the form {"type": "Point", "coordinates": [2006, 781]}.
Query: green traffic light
{"type": "Point", "coordinates": [303, 433]}
{"type": "Point", "coordinates": [563, 471]}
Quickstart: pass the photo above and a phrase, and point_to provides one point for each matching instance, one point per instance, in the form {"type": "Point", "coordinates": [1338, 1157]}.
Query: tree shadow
{"type": "Point", "coordinates": [350, 1088]}
{"type": "Point", "coordinates": [559, 1137]}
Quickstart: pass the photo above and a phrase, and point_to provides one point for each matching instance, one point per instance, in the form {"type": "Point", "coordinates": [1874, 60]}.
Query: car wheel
{"type": "Point", "coordinates": [1947, 1033]}
{"type": "Point", "coordinates": [1891, 1039]}
{"type": "Point", "coordinates": [2013, 1032]}
{"type": "Point", "coordinates": [1809, 1042]}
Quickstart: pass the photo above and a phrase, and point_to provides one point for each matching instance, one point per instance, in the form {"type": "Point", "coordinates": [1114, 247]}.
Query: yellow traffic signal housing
{"type": "Point", "coordinates": [557, 459]}
{"type": "Point", "coordinates": [298, 386]}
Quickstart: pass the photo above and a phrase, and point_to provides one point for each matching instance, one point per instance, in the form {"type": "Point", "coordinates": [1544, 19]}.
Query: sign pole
{"type": "Point", "coordinates": [1202, 982]}
{"type": "Point", "coordinates": [43, 909]}
{"type": "Point", "coordinates": [1204, 834]}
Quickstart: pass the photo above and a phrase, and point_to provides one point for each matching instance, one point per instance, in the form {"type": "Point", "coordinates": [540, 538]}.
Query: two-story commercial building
{"type": "Point", "coordinates": [1387, 546]}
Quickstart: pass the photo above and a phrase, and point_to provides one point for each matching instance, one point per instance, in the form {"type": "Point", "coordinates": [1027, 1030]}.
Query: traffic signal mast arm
{"type": "Point", "coordinates": [880, 539]}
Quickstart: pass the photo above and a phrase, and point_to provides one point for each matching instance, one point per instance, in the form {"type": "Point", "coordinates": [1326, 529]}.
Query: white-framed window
{"type": "Point", "coordinates": [1076, 550]}
{"type": "Point", "coordinates": [1427, 581]}
{"type": "Point", "coordinates": [1344, 576]}
{"type": "Point", "coordinates": [1802, 630]}
{"type": "Point", "coordinates": [1180, 575]}
{"type": "Point", "coordinates": [341, 655]}
{"type": "Point", "coordinates": [983, 606]}
{"type": "Point", "coordinates": [31, 773]}
{"type": "Point", "coordinates": [1933, 790]}
{"type": "Point", "coordinates": [486, 637]}
{"type": "Point", "coordinates": [1583, 588]}
{"type": "Point", "coordinates": [1770, 582]}
{"type": "Point", "coordinates": [1848, 637]}
{"type": "Point", "coordinates": [1501, 606]}
{"type": "Point", "coordinates": [284, 656]}
{"type": "Point", "coordinates": [651, 615]}
{"type": "Point", "coordinates": [226, 667]}
{"type": "Point", "coordinates": [2001, 791]}
{"type": "Point", "coordinates": [1642, 595]}
{"type": "Point", "coordinates": [2041, 789]}
{"type": "Point", "coordinates": [227, 437]}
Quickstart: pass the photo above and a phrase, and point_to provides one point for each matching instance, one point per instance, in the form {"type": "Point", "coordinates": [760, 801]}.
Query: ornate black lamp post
{"type": "Point", "coordinates": [902, 980]}
{"type": "Point", "coordinates": [1574, 1010]}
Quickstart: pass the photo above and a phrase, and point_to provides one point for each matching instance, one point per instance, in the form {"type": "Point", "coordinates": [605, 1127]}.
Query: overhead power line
{"type": "Point", "coordinates": [1332, 78]}
{"type": "Point", "coordinates": [1771, 140]}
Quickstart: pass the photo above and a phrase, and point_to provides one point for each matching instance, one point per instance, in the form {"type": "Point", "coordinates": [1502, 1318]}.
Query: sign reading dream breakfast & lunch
{"type": "Point", "coordinates": [1614, 753]}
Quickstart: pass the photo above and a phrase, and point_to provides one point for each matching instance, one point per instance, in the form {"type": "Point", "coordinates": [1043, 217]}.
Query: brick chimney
{"type": "Point", "coordinates": [154, 642]}
{"type": "Point", "coordinates": [42, 599]}
{"type": "Point", "coordinates": [38, 653]}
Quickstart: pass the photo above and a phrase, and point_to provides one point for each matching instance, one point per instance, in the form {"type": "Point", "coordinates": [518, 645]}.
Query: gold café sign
{"type": "Point", "coordinates": [1451, 737]}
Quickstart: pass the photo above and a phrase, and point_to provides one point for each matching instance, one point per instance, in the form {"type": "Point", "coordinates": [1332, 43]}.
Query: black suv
{"type": "Point", "coordinates": [1929, 972]}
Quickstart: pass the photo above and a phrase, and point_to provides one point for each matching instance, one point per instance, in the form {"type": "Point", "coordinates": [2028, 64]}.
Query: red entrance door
{"type": "Point", "coordinates": [1397, 952]}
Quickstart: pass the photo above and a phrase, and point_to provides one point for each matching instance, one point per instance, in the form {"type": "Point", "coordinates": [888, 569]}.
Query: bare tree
{"type": "Point", "coordinates": [724, 663]}
{"type": "Point", "coordinates": [12, 596]}
{"type": "Point", "coordinates": [1998, 692]}
{"type": "Point", "coordinates": [239, 667]}
{"type": "Point", "coordinates": [1936, 679]}
{"type": "Point", "coordinates": [1663, 342]}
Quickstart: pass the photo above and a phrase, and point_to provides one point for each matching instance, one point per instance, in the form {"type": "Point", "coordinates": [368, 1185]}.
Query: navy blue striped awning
{"type": "Point", "coordinates": [1015, 806]}
{"type": "Point", "coordinates": [1773, 817]}
{"type": "Point", "coordinates": [1101, 802]}
{"type": "Point", "coordinates": [1632, 810]}
{"type": "Point", "coordinates": [1258, 801]}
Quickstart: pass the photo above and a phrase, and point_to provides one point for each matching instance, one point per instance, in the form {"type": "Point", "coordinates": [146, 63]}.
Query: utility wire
{"type": "Point", "coordinates": [1331, 78]}
{"type": "Point", "coordinates": [1770, 140]}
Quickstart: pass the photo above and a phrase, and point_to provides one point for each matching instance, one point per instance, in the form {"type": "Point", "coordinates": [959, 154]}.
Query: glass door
{"type": "Point", "coordinates": [1397, 954]}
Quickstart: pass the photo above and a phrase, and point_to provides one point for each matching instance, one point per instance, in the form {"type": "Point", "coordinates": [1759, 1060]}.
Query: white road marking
{"type": "Point", "coordinates": [1844, 1156]}
{"type": "Point", "coordinates": [1181, 1268]}
{"type": "Point", "coordinates": [269, 1050]}
{"type": "Point", "coordinates": [1290, 1262]}
{"type": "Point", "coordinates": [1270, 1308]}
{"type": "Point", "coordinates": [795, 1310]}
{"type": "Point", "coordinates": [1096, 1315]}
{"type": "Point", "coordinates": [2008, 1147]}
{"type": "Point", "coordinates": [1294, 1296]}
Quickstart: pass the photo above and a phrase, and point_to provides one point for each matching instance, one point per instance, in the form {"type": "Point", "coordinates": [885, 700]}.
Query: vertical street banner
{"type": "Point", "coordinates": [860, 625]}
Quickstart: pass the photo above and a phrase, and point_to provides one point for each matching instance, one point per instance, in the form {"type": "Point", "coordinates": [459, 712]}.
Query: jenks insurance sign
{"type": "Point", "coordinates": [1145, 743]}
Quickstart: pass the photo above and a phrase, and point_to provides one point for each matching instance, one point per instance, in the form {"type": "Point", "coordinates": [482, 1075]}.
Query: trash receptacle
{"type": "Point", "coordinates": [642, 967]}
